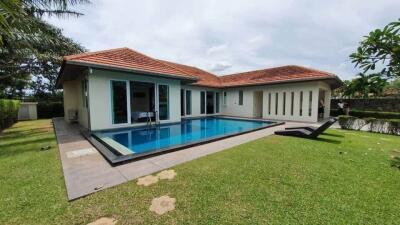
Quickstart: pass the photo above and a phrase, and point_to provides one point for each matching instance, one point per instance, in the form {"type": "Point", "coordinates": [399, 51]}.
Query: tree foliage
{"type": "Point", "coordinates": [31, 50]}
{"type": "Point", "coordinates": [380, 49]}
{"type": "Point", "coordinates": [363, 86]}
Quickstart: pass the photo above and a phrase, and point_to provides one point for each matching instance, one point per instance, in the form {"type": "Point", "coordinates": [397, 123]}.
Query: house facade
{"type": "Point", "coordinates": [123, 88]}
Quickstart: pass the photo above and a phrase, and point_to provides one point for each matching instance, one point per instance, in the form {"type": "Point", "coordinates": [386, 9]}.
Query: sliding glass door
{"type": "Point", "coordinates": [210, 102]}
{"type": "Point", "coordinates": [163, 102]}
{"type": "Point", "coordinates": [142, 101]}
{"type": "Point", "coordinates": [119, 102]}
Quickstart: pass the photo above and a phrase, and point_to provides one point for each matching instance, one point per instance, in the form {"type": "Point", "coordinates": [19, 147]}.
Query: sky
{"type": "Point", "coordinates": [231, 36]}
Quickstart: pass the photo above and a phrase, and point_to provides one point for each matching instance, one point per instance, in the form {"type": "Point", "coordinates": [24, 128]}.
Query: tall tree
{"type": "Point", "coordinates": [380, 49]}
{"type": "Point", "coordinates": [31, 50]}
{"type": "Point", "coordinates": [365, 85]}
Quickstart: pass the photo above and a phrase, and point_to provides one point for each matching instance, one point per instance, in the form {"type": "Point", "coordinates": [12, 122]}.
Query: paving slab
{"type": "Point", "coordinates": [88, 172]}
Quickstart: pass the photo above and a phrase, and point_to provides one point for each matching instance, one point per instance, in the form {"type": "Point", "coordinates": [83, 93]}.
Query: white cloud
{"type": "Point", "coordinates": [248, 34]}
{"type": "Point", "coordinates": [220, 66]}
{"type": "Point", "coordinates": [217, 49]}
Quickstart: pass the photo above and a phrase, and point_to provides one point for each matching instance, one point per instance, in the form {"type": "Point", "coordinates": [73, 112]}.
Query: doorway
{"type": "Point", "coordinates": [210, 102]}
{"type": "Point", "coordinates": [142, 101]}
{"type": "Point", "coordinates": [258, 104]}
{"type": "Point", "coordinates": [323, 104]}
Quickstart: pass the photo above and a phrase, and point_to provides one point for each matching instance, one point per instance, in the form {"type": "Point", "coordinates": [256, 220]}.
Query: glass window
{"type": "Point", "coordinates": [292, 103]}
{"type": "Point", "coordinates": [182, 102]}
{"type": "Point", "coordinates": [301, 103]}
{"type": "Point", "coordinates": [310, 104]}
{"type": "Point", "coordinates": [119, 102]}
{"type": "Point", "coordinates": [269, 103]}
{"type": "Point", "coordinates": [210, 102]}
{"type": "Point", "coordinates": [202, 102]}
{"type": "Point", "coordinates": [188, 102]}
{"type": "Point", "coordinates": [284, 104]}
{"type": "Point", "coordinates": [276, 103]}
{"type": "Point", "coordinates": [217, 102]}
{"type": "Point", "coordinates": [240, 97]}
{"type": "Point", "coordinates": [142, 99]}
{"type": "Point", "coordinates": [163, 102]}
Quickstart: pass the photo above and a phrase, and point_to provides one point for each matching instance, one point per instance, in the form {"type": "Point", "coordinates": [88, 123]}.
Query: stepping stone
{"type": "Point", "coordinates": [104, 221]}
{"type": "Point", "coordinates": [162, 204]}
{"type": "Point", "coordinates": [166, 175]}
{"type": "Point", "coordinates": [147, 180]}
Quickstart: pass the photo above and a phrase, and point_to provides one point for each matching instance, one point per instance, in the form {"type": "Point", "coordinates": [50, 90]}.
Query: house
{"type": "Point", "coordinates": [122, 88]}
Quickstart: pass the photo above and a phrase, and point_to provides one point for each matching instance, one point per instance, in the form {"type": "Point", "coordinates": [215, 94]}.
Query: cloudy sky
{"type": "Point", "coordinates": [228, 36]}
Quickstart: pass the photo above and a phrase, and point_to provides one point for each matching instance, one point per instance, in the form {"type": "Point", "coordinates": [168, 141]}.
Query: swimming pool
{"type": "Point", "coordinates": [134, 142]}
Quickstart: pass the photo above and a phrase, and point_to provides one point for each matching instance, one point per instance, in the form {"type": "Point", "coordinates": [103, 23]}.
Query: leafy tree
{"type": "Point", "coordinates": [17, 17]}
{"type": "Point", "coordinates": [393, 88]}
{"type": "Point", "coordinates": [31, 50]}
{"type": "Point", "coordinates": [380, 48]}
{"type": "Point", "coordinates": [364, 86]}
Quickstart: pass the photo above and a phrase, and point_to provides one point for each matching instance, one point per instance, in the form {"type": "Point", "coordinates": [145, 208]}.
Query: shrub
{"type": "Point", "coordinates": [8, 112]}
{"type": "Point", "coordinates": [368, 114]}
{"type": "Point", "coordinates": [351, 122]}
{"type": "Point", "coordinates": [375, 114]}
{"type": "Point", "coordinates": [47, 110]}
{"type": "Point", "coordinates": [394, 126]}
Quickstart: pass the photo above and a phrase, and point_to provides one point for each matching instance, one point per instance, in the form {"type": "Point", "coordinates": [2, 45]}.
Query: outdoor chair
{"type": "Point", "coordinates": [307, 132]}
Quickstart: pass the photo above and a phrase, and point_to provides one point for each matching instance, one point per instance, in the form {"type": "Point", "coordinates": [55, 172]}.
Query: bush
{"type": "Point", "coordinates": [48, 110]}
{"type": "Point", "coordinates": [369, 114]}
{"type": "Point", "coordinates": [394, 126]}
{"type": "Point", "coordinates": [375, 114]}
{"type": "Point", "coordinates": [8, 112]}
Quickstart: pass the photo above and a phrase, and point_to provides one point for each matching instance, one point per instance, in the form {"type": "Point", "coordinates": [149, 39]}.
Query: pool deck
{"type": "Point", "coordinates": [86, 171]}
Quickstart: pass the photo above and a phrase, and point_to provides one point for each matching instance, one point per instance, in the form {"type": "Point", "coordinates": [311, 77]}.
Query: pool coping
{"type": "Point", "coordinates": [108, 152]}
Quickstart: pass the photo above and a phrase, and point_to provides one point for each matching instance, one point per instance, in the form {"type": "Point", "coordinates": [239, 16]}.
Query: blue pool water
{"type": "Point", "coordinates": [139, 140]}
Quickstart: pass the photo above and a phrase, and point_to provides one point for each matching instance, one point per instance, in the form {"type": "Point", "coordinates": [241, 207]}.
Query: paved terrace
{"type": "Point", "coordinates": [86, 171]}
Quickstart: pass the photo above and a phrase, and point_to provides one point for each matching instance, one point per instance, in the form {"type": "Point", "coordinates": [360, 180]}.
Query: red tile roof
{"type": "Point", "coordinates": [125, 58]}
{"type": "Point", "coordinates": [281, 74]}
{"type": "Point", "coordinates": [204, 78]}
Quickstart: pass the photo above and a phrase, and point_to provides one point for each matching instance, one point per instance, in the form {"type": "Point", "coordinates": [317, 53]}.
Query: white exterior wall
{"type": "Point", "coordinates": [196, 110]}
{"type": "Point", "coordinates": [99, 89]}
{"type": "Point", "coordinates": [100, 97]}
{"type": "Point", "coordinates": [73, 100]}
{"type": "Point", "coordinates": [232, 108]}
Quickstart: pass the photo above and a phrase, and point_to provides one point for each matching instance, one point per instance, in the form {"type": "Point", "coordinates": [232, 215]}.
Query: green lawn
{"type": "Point", "coordinates": [343, 178]}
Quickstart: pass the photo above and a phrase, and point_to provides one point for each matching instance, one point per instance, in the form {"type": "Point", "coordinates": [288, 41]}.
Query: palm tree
{"type": "Point", "coordinates": [364, 85]}
{"type": "Point", "coordinates": [17, 17]}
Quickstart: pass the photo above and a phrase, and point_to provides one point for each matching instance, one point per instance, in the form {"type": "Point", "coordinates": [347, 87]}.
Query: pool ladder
{"type": "Point", "coordinates": [149, 121]}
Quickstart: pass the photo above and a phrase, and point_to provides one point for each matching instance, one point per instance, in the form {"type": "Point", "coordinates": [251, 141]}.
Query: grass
{"type": "Point", "coordinates": [344, 177]}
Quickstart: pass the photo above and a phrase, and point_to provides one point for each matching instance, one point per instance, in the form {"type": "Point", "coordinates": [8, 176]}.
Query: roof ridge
{"type": "Point", "coordinates": [278, 67]}
{"type": "Point", "coordinates": [83, 54]}
{"type": "Point", "coordinates": [174, 67]}
{"type": "Point", "coordinates": [193, 67]}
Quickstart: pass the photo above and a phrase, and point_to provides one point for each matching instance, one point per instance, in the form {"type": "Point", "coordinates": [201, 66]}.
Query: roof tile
{"type": "Point", "coordinates": [129, 59]}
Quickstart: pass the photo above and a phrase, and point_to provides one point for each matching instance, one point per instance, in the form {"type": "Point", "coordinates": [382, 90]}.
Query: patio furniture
{"type": "Point", "coordinates": [307, 132]}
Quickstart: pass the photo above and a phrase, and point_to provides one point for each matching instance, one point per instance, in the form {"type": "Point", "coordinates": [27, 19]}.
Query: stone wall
{"type": "Point", "coordinates": [387, 105]}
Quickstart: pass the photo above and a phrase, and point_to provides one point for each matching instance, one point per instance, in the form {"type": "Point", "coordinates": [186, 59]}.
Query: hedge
{"type": "Point", "coordinates": [386, 126]}
{"type": "Point", "coordinates": [48, 110]}
{"type": "Point", "coordinates": [369, 114]}
{"type": "Point", "coordinates": [8, 112]}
